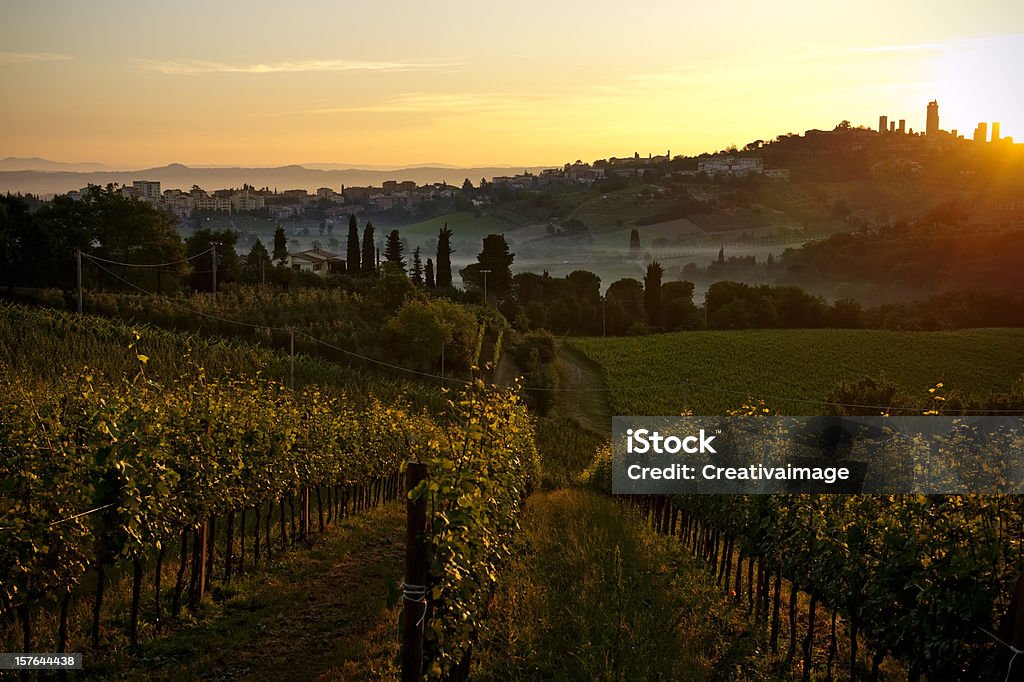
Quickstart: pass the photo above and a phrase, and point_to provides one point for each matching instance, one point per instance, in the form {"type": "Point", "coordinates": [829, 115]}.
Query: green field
{"type": "Point", "coordinates": [464, 225]}
{"type": "Point", "coordinates": [787, 367]}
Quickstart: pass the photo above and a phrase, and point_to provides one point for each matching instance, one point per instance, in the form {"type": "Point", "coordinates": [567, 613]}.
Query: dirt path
{"type": "Point", "coordinates": [581, 401]}
{"type": "Point", "coordinates": [319, 614]}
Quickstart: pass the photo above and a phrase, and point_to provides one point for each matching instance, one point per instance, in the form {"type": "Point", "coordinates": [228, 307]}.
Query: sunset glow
{"type": "Point", "coordinates": [401, 83]}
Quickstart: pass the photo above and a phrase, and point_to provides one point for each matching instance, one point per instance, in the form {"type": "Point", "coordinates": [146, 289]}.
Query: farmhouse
{"type": "Point", "coordinates": [316, 260]}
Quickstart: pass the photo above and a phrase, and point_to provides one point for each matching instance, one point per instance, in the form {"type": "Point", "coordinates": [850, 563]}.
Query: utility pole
{"type": "Point", "coordinates": [291, 367]}
{"type": "Point", "coordinates": [485, 273]}
{"type": "Point", "coordinates": [78, 276]}
{"type": "Point", "coordinates": [213, 252]}
{"type": "Point", "coordinates": [604, 323]}
{"type": "Point", "coordinates": [706, 309]}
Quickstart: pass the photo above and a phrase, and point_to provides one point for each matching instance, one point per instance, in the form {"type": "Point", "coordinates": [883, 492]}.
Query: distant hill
{"type": "Point", "coordinates": [16, 163]}
{"type": "Point", "coordinates": [59, 180]}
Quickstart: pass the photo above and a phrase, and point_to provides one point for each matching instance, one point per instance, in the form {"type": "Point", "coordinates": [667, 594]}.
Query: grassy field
{"type": "Point", "coordinates": [785, 367]}
{"type": "Point", "coordinates": [464, 225]}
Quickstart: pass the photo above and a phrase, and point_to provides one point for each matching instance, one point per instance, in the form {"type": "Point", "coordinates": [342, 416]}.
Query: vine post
{"type": "Point", "coordinates": [414, 601]}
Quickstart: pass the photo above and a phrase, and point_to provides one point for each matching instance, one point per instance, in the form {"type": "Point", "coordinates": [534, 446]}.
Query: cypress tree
{"type": "Point", "coordinates": [280, 245]}
{"type": "Point", "coordinates": [652, 292]}
{"type": "Point", "coordinates": [369, 250]}
{"type": "Point", "coordinates": [417, 268]}
{"type": "Point", "coordinates": [444, 258]}
{"type": "Point", "coordinates": [430, 274]}
{"type": "Point", "coordinates": [352, 253]}
{"type": "Point", "coordinates": [393, 249]}
{"type": "Point", "coordinates": [634, 240]}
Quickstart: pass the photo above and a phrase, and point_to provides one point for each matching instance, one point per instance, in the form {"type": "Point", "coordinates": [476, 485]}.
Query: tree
{"type": "Point", "coordinates": [677, 308]}
{"type": "Point", "coordinates": [721, 255]}
{"type": "Point", "coordinates": [444, 258]}
{"type": "Point", "coordinates": [280, 246]}
{"type": "Point", "coordinates": [369, 250]}
{"type": "Point", "coordinates": [467, 186]}
{"type": "Point", "coordinates": [393, 250]}
{"type": "Point", "coordinates": [625, 306]}
{"type": "Point", "coordinates": [634, 240]}
{"type": "Point", "coordinates": [417, 334]}
{"type": "Point", "coordinates": [38, 249]}
{"type": "Point", "coordinates": [586, 285]}
{"type": "Point", "coordinates": [227, 258]}
{"type": "Point", "coordinates": [497, 260]}
{"type": "Point", "coordinates": [652, 292]}
{"type": "Point", "coordinates": [417, 268]}
{"type": "Point", "coordinates": [257, 255]}
{"type": "Point", "coordinates": [352, 249]}
{"type": "Point", "coordinates": [430, 274]}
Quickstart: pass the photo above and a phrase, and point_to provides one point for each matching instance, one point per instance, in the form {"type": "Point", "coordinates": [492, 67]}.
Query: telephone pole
{"type": "Point", "coordinates": [213, 252]}
{"type": "Point", "coordinates": [485, 273]}
{"type": "Point", "coordinates": [78, 277]}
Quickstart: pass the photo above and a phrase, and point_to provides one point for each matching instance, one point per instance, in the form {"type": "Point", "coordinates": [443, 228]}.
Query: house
{"type": "Point", "coordinates": [316, 260]}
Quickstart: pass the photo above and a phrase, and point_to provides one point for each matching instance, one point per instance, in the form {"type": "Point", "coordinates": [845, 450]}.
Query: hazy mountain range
{"type": "Point", "coordinates": [41, 176]}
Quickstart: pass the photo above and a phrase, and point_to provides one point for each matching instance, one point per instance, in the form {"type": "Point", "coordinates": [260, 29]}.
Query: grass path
{"type": "Point", "coordinates": [593, 594]}
{"type": "Point", "coordinates": [318, 614]}
{"type": "Point", "coordinates": [583, 400]}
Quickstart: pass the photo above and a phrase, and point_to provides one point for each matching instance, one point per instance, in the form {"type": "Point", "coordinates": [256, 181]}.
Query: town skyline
{"type": "Point", "coordinates": [404, 85]}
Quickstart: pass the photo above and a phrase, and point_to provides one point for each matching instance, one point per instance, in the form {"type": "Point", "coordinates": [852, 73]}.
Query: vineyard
{"type": "Point", "coordinates": [794, 370]}
{"type": "Point", "coordinates": [927, 581]}
{"type": "Point", "coordinates": [184, 480]}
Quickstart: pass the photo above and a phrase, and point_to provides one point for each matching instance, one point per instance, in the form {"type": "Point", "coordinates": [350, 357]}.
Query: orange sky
{"type": "Point", "coordinates": [471, 83]}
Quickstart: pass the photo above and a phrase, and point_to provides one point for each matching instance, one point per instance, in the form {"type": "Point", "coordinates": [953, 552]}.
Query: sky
{"type": "Point", "coordinates": [258, 83]}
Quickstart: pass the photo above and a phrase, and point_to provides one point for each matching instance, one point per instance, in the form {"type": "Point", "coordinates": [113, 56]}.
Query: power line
{"type": "Point", "coordinates": [384, 364]}
{"type": "Point", "coordinates": [147, 265]}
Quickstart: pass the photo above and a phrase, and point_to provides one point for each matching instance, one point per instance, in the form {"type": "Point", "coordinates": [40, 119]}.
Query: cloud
{"type": "Point", "coordinates": [920, 47]}
{"type": "Point", "coordinates": [31, 57]}
{"type": "Point", "coordinates": [427, 102]}
{"type": "Point", "coordinates": [188, 68]}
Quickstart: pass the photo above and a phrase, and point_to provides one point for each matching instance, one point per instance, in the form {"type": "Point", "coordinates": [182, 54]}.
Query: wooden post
{"type": "Point", "coordinates": [1013, 630]}
{"type": "Point", "coordinates": [414, 600]}
{"type": "Point", "coordinates": [200, 551]}
{"type": "Point", "coordinates": [78, 277]}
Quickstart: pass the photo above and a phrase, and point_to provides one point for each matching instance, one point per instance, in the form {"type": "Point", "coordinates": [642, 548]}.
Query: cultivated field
{"type": "Point", "coordinates": [791, 369]}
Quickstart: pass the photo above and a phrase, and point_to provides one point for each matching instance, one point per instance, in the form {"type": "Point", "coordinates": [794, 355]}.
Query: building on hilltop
{"type": "Point", "coordinates": [932, 124]}
{"type": "Point", "coordinates": [730, 165]}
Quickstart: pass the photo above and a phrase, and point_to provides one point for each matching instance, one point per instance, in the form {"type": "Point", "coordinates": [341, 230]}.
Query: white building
{"type": "Point", "coordinates": [315, 260]}
{"type": "Point", "coordinates": [730, 165]}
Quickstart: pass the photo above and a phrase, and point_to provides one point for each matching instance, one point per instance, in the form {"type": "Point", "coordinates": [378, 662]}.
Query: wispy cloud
{"type": "Point", "coordinates": [982, 42]}
{"type": "Point", "coordinates": [187, 68]}
{"type": "Point", "coordinates": [919, 47]}
{"type": "Point", "coordinates": [429, 102]}
{"type": "Point", "coordinates": [31, 57]}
